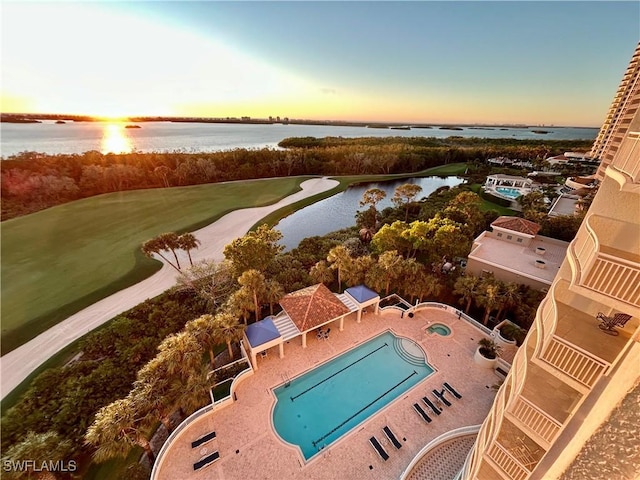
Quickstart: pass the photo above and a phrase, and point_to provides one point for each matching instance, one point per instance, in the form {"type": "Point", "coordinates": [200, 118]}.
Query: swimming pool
{"type": "Point", "coordinates": [317, 408]}
{"type": "Point", "coordinates": [512, 193]}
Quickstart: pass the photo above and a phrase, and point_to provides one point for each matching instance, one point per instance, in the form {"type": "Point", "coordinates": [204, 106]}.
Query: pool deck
{"type": "Point", "coordinates": [250, 448]}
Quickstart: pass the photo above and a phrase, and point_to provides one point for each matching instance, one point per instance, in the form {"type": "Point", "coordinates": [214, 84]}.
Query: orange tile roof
{"type": "Point", "coordinates": [517, 224]}
{"type": "Point", "coordinates": [312, 306]}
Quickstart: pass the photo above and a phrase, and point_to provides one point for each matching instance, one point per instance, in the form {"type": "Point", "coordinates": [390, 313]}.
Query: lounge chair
{"type": "Point", "coordinates": [440, 396]}
{"type": "Point", "coordinates": [205, 461]}
{"type": "Point", "coordinates": [203, 439]}
{"type": "Point", "coordinates": [429, 404]}
{"type": "Point", "coordinates": [392, 438]}
{"type": "Point", "coordinates": [421, 412]}
{"type": "Point", "coordinates": [381, 451]}
{"type": "Point", "coordinates": [608, 324]}
{"type": "Point", "coordinates": [326, 334]}
{"type": "Point", "coordinates": [320, 334]}
{"type": "Point", "coordinates": [452, 390]}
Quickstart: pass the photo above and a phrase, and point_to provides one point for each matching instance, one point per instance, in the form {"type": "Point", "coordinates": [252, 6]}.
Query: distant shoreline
{"type": "Point", "coordinates": [39, 117]}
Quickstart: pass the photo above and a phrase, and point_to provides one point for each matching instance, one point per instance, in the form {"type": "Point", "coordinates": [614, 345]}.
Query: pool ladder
{"type": "Point", "coordinates": [286, 379]}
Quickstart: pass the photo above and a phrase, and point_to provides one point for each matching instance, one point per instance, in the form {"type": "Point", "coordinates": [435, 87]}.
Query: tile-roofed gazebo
{"type": "Point", "coordinates": [517, 224]}
{"type": "Point", "coordinates": [312, 307]}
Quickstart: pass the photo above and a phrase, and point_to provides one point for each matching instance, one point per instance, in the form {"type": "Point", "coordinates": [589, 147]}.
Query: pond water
{"type": "Point", "coordinates": [338, 211]}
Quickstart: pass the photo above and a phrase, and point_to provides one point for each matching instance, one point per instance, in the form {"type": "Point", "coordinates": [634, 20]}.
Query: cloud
{"type": "Point", "coordinates": [328, 91]}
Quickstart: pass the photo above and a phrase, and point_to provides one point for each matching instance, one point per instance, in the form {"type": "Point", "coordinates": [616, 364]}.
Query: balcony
{"type": "Point", "coordinates": [576, 363]}
{"type": "Point", "coordinates": [613, 272]}
{"type": "Point", "coordinates": [542, 426]}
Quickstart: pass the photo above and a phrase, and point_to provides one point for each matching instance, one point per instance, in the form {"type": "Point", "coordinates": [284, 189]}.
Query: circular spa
{"type": "Point", "coordinates": [439, 329]}
{"type": "Point", "coordinates": [317, 408]}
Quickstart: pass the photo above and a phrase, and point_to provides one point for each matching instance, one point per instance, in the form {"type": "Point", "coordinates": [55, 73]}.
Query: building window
{"type": "Point", "coordinates": [499, 234]}
{"type": "Point", "coordinates": [509, 237]}
{"type": "Point", "coordinates": [519, 240]}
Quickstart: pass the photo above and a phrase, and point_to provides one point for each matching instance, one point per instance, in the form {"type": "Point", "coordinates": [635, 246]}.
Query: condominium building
{"type": "Point", "coordinates": [618, 120]}
{"type": "Point", "coordinates": [569, 407]}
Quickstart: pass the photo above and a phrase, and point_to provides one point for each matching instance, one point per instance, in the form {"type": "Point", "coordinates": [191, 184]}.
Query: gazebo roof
{"type": "Point", "coordinates": [517, 224]}
{"type": "Point", "coordinates": [312, 306]}
{"type": "Point", "coordinates": [361, 293]}
{"type": "Point", "coordinates": [261, 332]}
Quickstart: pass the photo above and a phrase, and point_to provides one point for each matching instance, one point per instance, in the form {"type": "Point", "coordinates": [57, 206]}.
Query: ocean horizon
{"type": "Point", "coordinates": [52, 138]}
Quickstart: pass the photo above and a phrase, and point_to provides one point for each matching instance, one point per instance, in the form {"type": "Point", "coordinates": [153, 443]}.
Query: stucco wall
{"type": "Point", "coordinates": [613, 452]}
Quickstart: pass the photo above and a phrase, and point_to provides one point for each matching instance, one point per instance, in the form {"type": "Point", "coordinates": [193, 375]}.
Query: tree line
{"type": "Point", "coordinates": [34, 181]}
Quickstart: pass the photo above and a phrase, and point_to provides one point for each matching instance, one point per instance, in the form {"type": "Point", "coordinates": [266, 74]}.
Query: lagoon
{"type": "Point", "coordinates": [338, 211]}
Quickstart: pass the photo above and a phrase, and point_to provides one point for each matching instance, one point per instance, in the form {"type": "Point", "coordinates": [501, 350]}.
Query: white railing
{"type": "Point", "coordinates": [546, 320]}
{"type": "Point", "coordinates": [626, 157]}
{"type": "Point", "coordinates": [536, 420]}
{"type": "Point", "coordinates": [507, 463]}
{"type": "Point", "coordinates": [457, 312]}
{"type": "Point", "coordinates": [584, 249]}
{"type": "Point", "coordinates": [615, 277]}
{"type": "Point", "coordinates": [576, 363]}
{"type": "Point", "coordinates": [165, 446]}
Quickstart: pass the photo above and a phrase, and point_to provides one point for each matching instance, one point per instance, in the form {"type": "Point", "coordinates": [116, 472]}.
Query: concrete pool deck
{"type": "Point", "coordinates": [250, 448]}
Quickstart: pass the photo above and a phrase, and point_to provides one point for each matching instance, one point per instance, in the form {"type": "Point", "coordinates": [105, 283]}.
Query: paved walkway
{"type": "Point", "coordinates": [250, 448]}
{"type": "Point", "coordinates": [19, 363]}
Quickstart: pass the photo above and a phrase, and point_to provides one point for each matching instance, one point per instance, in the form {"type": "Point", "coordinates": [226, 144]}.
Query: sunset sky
{"type": "Point", "coordinates": [447, 62]}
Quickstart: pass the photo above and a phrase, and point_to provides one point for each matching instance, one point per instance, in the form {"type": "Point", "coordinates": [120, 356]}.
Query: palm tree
{"type": "Point", "coordinates": [412, 271]}
{"type": "Point", "coordinates": [228, 328]}
{"type": "Point", "coordinates": [158, 397]}
{"type": "Point", "coordinates": [169, 241]}
{"type": "Point", "coordinates": [203, 329]}
{"type": "Point", "coordinates": [391, 263]}
{"type": "Point", "coordinates": [181, 354]}
{"type": "Point", "coordinates": [273, 293]}
{"type": "Point", "coordinates": [188, 242]}
{"type": "Point", "coordinates": [468, 287]}
{"type": "Point", "coordinates": [255, 283]}
{"type": "Point", "coordinates": [117, 428]}
{"type": "Point", "coordinates": [195, 393]}
{"type": "Point", "coordinates": [340, 260]}
{"type": "Point", "coordinates": [428, 285]}
{"type": "Point", "coordinates": [239, 304]}
{"type": "Point", "coordinates": [361, 266]}
{"type": "Point", "coordinates": [153, 246]}
{"type": "Point", "coordinates": [489, 298]}
{"type": "Point", "coordinates": [510, 295]}
{"type": "Point", "coordinates": [321, 273]}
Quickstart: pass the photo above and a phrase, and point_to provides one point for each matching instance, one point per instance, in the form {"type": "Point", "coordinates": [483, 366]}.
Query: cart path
{"type": "Point", "coordinates": [19, 363]}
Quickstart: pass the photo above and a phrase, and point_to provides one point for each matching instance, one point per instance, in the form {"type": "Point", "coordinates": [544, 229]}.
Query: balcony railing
{"type": "Point", "coordinates": [615, 277]}
{"type": "Point", "coordinates": [609, 275]}
{"type": "Point", "coordinates": [507, 463]}
{"type": "Point", "coordinates": [574, 362]}
{"type": "Point", "coordinates": [536, 420]}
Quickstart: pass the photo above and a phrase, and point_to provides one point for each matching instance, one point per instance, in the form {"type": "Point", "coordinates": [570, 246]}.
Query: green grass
{"type": "Point", "coordinates": [60, 260]}
{"type": "Point", "coordinates": [486, 205]}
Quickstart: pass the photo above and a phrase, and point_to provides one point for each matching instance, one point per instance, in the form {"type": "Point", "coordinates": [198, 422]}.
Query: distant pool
{"type": "Point", "coordinates": [317, 408]}
{"type": "Point", "coordinates": [512, 193]}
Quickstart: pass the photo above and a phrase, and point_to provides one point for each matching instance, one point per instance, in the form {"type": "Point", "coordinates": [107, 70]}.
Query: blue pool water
{"type": "Point", "coordinates": [509, 192]}
{"type": "Point", "coordinates": [440, 329]}
{"type": "Point", "coordinates": [317, 408]}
